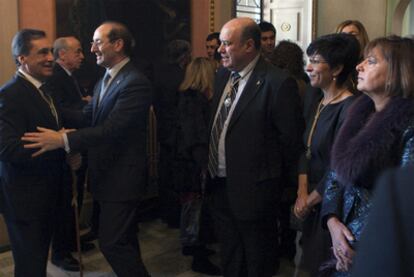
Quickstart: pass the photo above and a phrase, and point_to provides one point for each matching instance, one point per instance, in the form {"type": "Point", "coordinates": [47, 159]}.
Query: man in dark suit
{"type": "Point", "coordinates": [68, 55]}
{"type": "Point", "coordinates": [68, 94]}
{"type": "Point", "coordinates": [256, 131]}
{"type": "Point", "coordinates": [29, 186]}
{"type": "Point", "coordinates": [116, 143]}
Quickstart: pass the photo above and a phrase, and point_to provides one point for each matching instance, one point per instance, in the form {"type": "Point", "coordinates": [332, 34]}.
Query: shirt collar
{"type": "Point", "coordinates": [248, 68]}
{"type": "Point", "coordinates": [116, 68]}
{"type": "Point", "coordinates": [64, 68]}
{"type": "Point", "coordinates": [31, 79]}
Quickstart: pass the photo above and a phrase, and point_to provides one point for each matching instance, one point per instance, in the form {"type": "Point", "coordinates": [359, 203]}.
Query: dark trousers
{"type": "Point", "coordinates": [64, 237]}
{"type": "Point", "coordinates": [64, 234]}
{"type": "Point", "coordinates": [170, 208]}
{"type": "Point", "coordinates": [118, 240]}
{"type": "Point", "coordinates": [248, 247]}
{"type": "Point", "coordinates": [30, 242]}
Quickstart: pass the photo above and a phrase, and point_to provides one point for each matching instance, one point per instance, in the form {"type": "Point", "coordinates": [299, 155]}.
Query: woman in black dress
{"type": "Point", "coordinates": [191, 159]}
{"type": "Point", "coordinates": [332, 59]}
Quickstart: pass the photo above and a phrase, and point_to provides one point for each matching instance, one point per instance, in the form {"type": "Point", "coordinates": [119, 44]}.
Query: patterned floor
{"type": "Point", "coordinates": [161, 253]}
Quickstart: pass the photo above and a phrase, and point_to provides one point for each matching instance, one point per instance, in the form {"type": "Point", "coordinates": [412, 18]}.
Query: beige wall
{"type": "Point", "coordinates": [372, 13]}
{"type": "Point", "coordinates": [200, 17]}
{"type": "Point", "coordinates": [8, 27]}
{"type": "Point", "coordinates": [38, 15]}
{"type": "Point", "coordinates": [223, 12]}
{"type": "Point", "coordinates": [15, 15]}
{"type": "Point", "coordinates": [199, 26]}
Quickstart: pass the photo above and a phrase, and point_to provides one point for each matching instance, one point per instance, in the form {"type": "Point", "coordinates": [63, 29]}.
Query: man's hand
{"type": "Point", "coordinates": [45, 140]}
{"type": "Point", "coordinates": [87, 98]}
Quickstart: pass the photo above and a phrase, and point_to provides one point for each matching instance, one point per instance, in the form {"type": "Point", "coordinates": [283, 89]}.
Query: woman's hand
{"type": "Point", "coordinates": [301, 207]}
{"type": "Point", "coordinates": [341, 236]}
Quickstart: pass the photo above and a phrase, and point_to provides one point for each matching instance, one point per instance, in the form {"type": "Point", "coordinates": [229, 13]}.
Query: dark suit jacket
{"type": "Point", "coordinates": [387, 244]}
{"type": "Point", "coordinates": [64, 90]}
{"type": "Point", "coordinates": [262, 140]}
{"type": "Point", "coordinates": [28, 186]}
{"type": "Point", "coordinates": [116, 140]}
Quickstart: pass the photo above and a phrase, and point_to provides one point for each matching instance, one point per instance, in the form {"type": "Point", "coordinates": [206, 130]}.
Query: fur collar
{"type": "Point", "coordinates": [370, 141]}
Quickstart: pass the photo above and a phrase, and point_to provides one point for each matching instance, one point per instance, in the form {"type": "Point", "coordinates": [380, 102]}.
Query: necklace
{"type": "Point", "coordinates": [319, 110]}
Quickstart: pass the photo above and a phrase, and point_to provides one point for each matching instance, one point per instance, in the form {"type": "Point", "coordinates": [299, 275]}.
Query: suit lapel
{"type": "Point", "coordinates": [256, 80]}
{"type": "Point", "coordinates": [110, 91]}
{"type": "Point", "coordinates": [34, 94]}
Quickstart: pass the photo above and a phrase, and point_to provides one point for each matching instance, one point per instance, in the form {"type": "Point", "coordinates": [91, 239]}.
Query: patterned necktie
{"type": "Point", "coordinates": [104, 86]}
{"type": "Point", "coordinates": [43, 91]}
{"type": "Point", "coordinates": [219, 124]}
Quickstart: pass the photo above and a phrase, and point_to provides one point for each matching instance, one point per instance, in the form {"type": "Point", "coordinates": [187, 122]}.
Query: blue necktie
{"type": "Point", "coordinates": [104, 86]}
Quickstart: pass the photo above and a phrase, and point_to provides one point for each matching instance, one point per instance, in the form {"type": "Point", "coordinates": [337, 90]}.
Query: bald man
{"type": "Point", "coordinates": [256, 130]}
{"type": "Point", "coordinates": [68, 94]}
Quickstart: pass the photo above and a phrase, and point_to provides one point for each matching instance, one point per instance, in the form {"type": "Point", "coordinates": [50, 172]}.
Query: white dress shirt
{"type": "Point", "coordinates": [244, 78]}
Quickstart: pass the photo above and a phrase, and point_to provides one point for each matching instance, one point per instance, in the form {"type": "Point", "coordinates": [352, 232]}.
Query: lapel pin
{"type": "Point", "coordinates": [258, 83]}
{"type": "Point", "coordinates": [117, 82]}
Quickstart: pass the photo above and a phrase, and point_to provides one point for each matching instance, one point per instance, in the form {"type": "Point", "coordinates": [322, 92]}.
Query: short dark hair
{"type": "Point", "coordinates": [21, 44]}
{"type": "Point", "coordinates": [251, 31]}
{"type": "Point", "coordinates": [120, 31]}
{"type": "Point", "coordinates": [215, 35]}
{"type": "Point", "coordinates": [337, 49]}
{"type": "Point", "coordinates": [266, 27]}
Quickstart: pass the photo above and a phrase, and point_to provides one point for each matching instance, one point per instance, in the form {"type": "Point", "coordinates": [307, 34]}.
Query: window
{"type": "Point", "coordinates": [249, 8]}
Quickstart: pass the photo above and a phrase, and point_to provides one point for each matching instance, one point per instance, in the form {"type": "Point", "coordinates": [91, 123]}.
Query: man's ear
{"type": "Point", "coordinates": [21, 59]}
{"type": "Point", "coordinates": [119, 45]}
{"type": "Point", "coordinates": [250, 45]}
{"type": "Point", "coordinates": [61, 54]}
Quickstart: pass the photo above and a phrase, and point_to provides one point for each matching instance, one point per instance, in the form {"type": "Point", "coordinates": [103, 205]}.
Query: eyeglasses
{"type": "Point", "coordinates": [97, 43]}
{"type": "Point", "coordinates": [316, 62]}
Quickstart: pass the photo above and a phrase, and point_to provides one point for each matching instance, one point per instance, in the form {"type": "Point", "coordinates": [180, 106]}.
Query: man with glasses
{"type": "Point", "coordinates": [116, 144]}
{"type": "Point", "coordinates": [30, 186]}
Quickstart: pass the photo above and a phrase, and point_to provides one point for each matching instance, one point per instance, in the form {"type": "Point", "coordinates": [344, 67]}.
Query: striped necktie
{"type": "Point", "coordinates": [219, 124]}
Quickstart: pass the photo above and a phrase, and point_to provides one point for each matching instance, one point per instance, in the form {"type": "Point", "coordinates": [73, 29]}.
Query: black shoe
{"type": "Point", "coordinates": [201, 250]}
{"type": "Point", "coordinates": [67, 263]}
{"type": "Point", "coordinates": [204, 266]}
{"type": "Point", "coordinates": [89, 236]}
{"type": "Point", "coordinates": [87, 246]}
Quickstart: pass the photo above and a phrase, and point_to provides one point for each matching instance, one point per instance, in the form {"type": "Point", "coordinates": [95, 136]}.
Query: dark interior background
{"type": "Point", "coordinates": [153, 24]}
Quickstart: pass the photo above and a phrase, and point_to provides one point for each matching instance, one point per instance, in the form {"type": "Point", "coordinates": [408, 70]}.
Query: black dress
{"type": "Point", "coordinates": [316, 241]}
{"type": "Point", "coordinates": [193, 114]}
{"type": "Point", "coordinates": [191, 158]}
